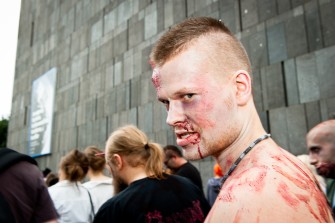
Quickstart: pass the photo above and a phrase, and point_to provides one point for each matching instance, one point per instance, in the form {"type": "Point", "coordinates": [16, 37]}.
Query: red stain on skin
{"type": "Point", "coordinates": [256, 183]}
{"type": "Point", "coordinates": [201, 157]}
{"type": "Point", "coordinates": [296, 166]}
{"type": "Point", "coordinates": [200, 115]}
{"type": "Point", "coordinates": [226, 195]}
{"type": "Point", "coordinates": [305, 199]}
{"type": "Point", "coordinates": [200, 110]}
{"type": "Point", "coordinates": [259, 183]}
{"type": "Point", "coordinates": [323, 209]}
{"type": "Point", "coordinates": [294, 185]}
{"type": "Point", "coordinates": [156, 79]}
{"type": "Point", "coordinates": [304, 181]}
{"type": "Point", "coordinates": [320, 200]}
{"type": "Point", "coordinates": [298, 182]}
{"type": "Point", "coordinates": [229, 161]}
{"type": "Point", "coordinates": [238, 216]}
{"type": "Point", "coordinates": [185, 125]}
{"type": "Point", "coordinates": [285, 194]}
{"type": "Point", "coordinates": [194, 138]}
{"type": "Point", "coordinates": [278, 158]}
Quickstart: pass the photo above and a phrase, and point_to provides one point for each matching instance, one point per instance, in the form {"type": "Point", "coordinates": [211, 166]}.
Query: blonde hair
{"type": "Point", "coordinates": [134, 145]}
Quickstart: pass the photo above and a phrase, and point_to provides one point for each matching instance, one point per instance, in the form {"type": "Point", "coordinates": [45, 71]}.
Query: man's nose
{"type": "Point", "coordinates": [313, 159]}
{"type": "Point", "coordinates": [175, 113]}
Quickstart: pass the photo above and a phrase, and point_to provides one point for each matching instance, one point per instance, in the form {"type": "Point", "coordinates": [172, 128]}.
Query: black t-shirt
{"type": "Point", "coordinates": [191, 172]}
{"type": "Point", "coordinates": [173, 199]}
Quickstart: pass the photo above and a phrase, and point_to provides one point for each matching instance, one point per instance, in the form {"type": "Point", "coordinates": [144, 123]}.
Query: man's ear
{"type": "Point", "coordinates": [117, 161]}
{"type": "Point", "coordinates": [243, 87]}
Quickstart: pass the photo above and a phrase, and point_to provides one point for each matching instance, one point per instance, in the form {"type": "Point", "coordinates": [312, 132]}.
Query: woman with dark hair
{"type": "Point", "coordinates": [51, 179]}
{"type": "Point", "coordinates": [72, 201]}
{"type": "Point", "coordinates": [99, 185]}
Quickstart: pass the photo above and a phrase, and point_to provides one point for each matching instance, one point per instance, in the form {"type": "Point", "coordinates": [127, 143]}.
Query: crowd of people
{"type": "Point", "coordinates": [201, 73]}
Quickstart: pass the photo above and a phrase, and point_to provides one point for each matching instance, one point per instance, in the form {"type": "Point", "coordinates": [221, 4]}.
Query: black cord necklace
{"type": "Point", "coordinates": [232, 168]}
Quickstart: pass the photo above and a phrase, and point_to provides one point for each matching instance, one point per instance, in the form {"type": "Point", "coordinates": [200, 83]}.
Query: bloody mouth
{"type": "Point", "coordinates": [188, 138]}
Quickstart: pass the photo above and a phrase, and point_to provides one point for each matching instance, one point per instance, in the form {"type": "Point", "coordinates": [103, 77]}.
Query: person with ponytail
{"type": "Point", "coordinates": [72, 201]}
{"type": "Point", "coordinates": [99, 185]}
{"type": "Point", "coordinates": [150, 195]}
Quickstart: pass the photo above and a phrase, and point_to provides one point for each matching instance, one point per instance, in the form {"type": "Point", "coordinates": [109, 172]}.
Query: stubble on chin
{"type": "Point", "coordinates": [193, 153]}
{"type": "Point", "coordinates": [327, 170]}
{"type": "Point", "coordinates": [119, 185]}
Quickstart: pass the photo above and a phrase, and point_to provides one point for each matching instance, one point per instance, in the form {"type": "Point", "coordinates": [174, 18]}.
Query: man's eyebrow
{"type": "Point", "coordinates": [178, 93]}
{"type": "Point", "coordinates": [185, 90]}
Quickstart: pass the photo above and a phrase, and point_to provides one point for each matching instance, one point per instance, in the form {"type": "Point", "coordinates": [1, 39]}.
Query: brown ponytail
{"type": "Point", "coordinates": [74, 165]}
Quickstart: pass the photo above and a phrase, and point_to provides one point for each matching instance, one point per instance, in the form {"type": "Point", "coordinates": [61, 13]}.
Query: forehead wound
{"type": "Point", "coordinates": [156, 78]}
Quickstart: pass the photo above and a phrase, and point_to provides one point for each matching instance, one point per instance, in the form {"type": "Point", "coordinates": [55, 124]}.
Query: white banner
{"type": "Point", "coordinates": [41, 114]}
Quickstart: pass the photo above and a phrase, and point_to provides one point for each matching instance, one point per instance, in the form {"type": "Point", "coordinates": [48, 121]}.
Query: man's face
{"type": "Point", "coordinates": [321, 153]}
{"type": "Point", "coordinates": [118, 183]}
{"type": "Point", "coordinates": [169, 160]}
{"type": "Point", "coordinates": [199, 99]}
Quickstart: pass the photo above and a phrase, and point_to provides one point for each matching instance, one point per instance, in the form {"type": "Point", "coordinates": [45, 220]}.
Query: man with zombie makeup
{"type": "Point", "coordinates": [150, 195]}
{"type": "Point", "coordinates": [202, 75]}
{"type": "Point", "coordinates": [321, 146]}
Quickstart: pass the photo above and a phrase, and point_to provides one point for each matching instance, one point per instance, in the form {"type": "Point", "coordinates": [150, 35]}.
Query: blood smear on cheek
{"type": "Point", "coordinates": [202, 115]}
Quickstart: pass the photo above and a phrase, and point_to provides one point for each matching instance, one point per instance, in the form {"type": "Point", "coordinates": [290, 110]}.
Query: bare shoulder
{"type": "Point", "coordinates": [276, 189]}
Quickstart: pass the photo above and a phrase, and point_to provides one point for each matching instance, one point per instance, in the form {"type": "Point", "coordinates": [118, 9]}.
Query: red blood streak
{"type": "Point", "coordinates": [185, 125]}
{"type": "Point", "coordinates": [297, 181]}
{"type": "Point", "coordinates": [259, 182]}
{"type": "Point", "coordinates": [238, 216]}
{"type": "Point", "coordinates": [200, 152]}
{"type": "Point", "coordinates": [304, 182]}
{"type": "Point", "coordinates": [256, 183]}
{"type": "Point", "coordinates": [194, 138]}
{"type": "Point", "coordinates": [226, 196]}
{"type": "Point", "coordinates": [156, 80]}
{"type": "Point", "coordinates": [285, 194]}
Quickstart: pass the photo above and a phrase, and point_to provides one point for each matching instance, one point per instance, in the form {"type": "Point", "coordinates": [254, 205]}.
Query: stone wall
{"type": "Point", "coordinates": [100, 49]}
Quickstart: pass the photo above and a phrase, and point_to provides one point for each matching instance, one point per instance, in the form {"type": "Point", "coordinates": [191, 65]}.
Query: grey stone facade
{"type": "Point", "coordinates": [100, 49]}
